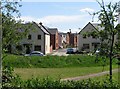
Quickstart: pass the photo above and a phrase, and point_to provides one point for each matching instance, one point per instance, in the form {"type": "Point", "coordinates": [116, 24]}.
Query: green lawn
{"type": "Point", "coordinates": [56, 73]}
{"type": "Point", "coordinates": [101, 78]}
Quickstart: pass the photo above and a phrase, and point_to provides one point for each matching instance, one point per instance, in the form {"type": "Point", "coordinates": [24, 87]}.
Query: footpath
{"type": "Point", "coordinates": [90, 75]}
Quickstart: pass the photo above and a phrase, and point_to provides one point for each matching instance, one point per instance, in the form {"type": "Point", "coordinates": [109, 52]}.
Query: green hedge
{"type": "Point", "coordinates": [57, 84]}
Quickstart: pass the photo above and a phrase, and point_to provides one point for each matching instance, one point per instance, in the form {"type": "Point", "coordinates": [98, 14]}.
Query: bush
{"type": "Point", "coordinates": [15, 82]}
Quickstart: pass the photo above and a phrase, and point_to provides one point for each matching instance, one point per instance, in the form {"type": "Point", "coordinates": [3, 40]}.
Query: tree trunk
{"type": "Point", "coordinates": [110, 55]}
{"type": "Point", "coordinates": [0, 46]}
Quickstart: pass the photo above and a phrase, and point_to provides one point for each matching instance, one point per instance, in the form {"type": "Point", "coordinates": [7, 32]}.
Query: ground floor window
{"type": "Point", "coordinates": [37, 47]}
{"type": "Point", "coordinates": [19, 47]}
{"type": "Point", "coordinates": [95, 45]}
{"type": "Point", "coordinates": [86, 46]}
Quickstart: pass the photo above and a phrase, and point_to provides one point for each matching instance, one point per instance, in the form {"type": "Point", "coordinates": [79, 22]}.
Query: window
{"type": "Point", "coordinates": [19, 47]}
{"type": "Point", "coordinates": [86, 46]}
{"type": "Point", "coordinates": [84, 36]}
{"type": "Point", "coordinates": [38, 48]}
{"type": "Point", "coordinates": [39, 37]}
{"type": "Point", "coordinates": [93, 36]}
{"type": "Point", "coordinates": [29, 37]}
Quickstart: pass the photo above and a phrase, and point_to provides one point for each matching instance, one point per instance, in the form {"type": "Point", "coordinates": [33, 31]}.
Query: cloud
{"type": "Point", "coordinates": [87, 10]}
{"type": "Point", "coordinates": [62, 22]}
{"type": "Point", "coordinates": [61, 19]}
{"type": "Point", "coordinates": [55, 19]}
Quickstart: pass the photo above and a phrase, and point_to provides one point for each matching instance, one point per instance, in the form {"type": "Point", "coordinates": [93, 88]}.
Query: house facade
{"type": "Point", "coordinates": [54, 38]}
{"type": "Point", "coordinates": [38, 39]}
{"type": "Point", "coordinates": [62, 40]}
{"type": "Point", "coordinates": [71, 39]}
{"type": "Point", "coordinates": [86, 43]}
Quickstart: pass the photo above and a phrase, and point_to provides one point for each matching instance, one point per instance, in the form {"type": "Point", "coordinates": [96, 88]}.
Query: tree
{"type": "Point", "coordinates": [11, 31]}
{"type": "Point", "coordinates": [108, 18]}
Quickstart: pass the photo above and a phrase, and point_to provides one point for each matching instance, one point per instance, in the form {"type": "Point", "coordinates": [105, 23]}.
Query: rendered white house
{"type": "Point", "coordinates": [38, 40]}
{"type": "Point", "coordinates": [86, 43]}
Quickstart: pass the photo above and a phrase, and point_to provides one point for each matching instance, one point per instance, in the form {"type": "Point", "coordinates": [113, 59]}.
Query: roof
{"type": "Point", "coordinates": [95, 25]}
{"type": "Point", "coordinates": [42, 28]}
{"type": "Point", "coordinates": [52, 30]}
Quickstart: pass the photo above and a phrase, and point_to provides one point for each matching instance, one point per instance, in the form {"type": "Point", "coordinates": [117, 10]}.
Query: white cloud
{"type": "Point", "coordinates": [61, 19]}
{"type": "Point", "coordinates": [54, 19]}
{"type": "Point", "coordinates": [62, 22]}
{"type": "Point", "coordinates": [87, 10]}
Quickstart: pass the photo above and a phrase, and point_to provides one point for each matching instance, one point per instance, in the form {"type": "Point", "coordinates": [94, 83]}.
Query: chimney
{"type": "Point", "coordinates": [40, 23]}
{"type": "Point", "coordinates": [70, 30]}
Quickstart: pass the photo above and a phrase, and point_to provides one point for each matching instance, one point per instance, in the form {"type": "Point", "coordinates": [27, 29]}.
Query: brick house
{"type": "Point", "coordinates": [54, 38]}
{"type": "Point", "coordinates": [71, 39]}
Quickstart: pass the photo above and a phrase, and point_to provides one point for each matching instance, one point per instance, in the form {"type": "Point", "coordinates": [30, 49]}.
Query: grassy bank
{"type": "Point", "coordinates": [54, 61]}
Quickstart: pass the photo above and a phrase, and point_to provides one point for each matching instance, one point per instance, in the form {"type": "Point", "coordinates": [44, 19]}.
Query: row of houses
{"type": "Point", "coordinates": [45, 39]}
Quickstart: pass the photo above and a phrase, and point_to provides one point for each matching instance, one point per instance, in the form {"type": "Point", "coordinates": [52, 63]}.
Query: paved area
{"type": "Point", "coordinates": [88, 76]}
{"type": "Point", "coordinates": [60, 52]}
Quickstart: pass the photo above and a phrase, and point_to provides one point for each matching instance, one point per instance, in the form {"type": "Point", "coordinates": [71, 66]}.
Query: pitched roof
{"type": "Point", "coordinates": [95, 25]}
{"type": "Point", "coordinates": [52, 30]}
{"type": "Point", "coordinates": [42, 28]}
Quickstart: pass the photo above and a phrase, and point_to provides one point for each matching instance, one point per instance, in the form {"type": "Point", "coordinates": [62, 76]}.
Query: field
{"type": "Point", "coordinates": [101, 78]}
{"type": "Point", "coordinates": [57, 73]}
{"type": "Point", "coordinates": [42, 71]}
{"type": "Point", "coordinates": [56, 67]}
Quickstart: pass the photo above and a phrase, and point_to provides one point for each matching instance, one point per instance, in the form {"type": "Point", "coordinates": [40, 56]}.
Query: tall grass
{"type": "Point", "coordinates": [54, 61]}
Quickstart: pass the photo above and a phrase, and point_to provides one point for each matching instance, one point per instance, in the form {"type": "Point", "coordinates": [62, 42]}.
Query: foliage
{"type": "Point", "coordinates": [57, 84]}
{"type": "Point", "coordinates": [107, 18]}
{"type": "Point", "coordinates": [53, 61]}
{"type": "Point", "coordinates": [13, 30]}
{"type": "Point", "coordinates": [9, 79]}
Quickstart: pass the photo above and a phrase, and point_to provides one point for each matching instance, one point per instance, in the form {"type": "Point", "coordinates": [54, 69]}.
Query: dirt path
{"type": "Point", "coordinates": [88, 76]}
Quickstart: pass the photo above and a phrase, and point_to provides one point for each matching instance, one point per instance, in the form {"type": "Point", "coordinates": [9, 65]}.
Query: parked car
{"type": "Point", "coordinates": [35, 53]}
{"type": "Point", "coordinates": [70, 51]}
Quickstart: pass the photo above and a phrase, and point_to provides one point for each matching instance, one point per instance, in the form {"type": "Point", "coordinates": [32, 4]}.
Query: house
{"type": "Point", "coordinates": [62, 39]}
{"type": "Point", "coordinates": [71, 39]}
{"type": "Point", "coordinates": [54, 37]}
{"type": "Point", "coordinates": [90, 43]}
{"type": "Point", "coordinates": [38, 39]}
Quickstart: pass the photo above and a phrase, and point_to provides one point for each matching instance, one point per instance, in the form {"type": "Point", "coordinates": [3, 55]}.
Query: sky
{"type": "Point", "coordinates": [63, 15]}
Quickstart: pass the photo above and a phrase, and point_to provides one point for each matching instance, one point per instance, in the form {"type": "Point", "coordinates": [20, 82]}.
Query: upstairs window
{"type": "Point", "coordinates": [84, 36]}
{"type": "Point", "coordinates": [39, 37]}
{"type": "Point", "coordinates": [29, 37]}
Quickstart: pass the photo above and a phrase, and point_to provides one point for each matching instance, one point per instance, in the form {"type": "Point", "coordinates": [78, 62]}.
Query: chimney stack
{"type": "Point", "coordinates": [40, 23]}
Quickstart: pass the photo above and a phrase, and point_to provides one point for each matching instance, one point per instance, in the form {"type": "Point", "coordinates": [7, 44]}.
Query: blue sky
{"type": "Point", "coordinates": [62, 15]}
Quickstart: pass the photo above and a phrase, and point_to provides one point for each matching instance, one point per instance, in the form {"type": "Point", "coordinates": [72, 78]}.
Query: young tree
{"type": "Point", "coordinates": [11, 31]}
{"type": "Point", "coordinates": [108, 18]}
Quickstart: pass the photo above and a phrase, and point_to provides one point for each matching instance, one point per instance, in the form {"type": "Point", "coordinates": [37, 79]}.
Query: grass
{"type": "Point", "coordinates": [54, 61]}
{"type": "Point", "coordinates": [56, 67]}
{"type": "Point", "coordinates": [115, 77]}
{"type": "Point", "coordinates": [57, 73]}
